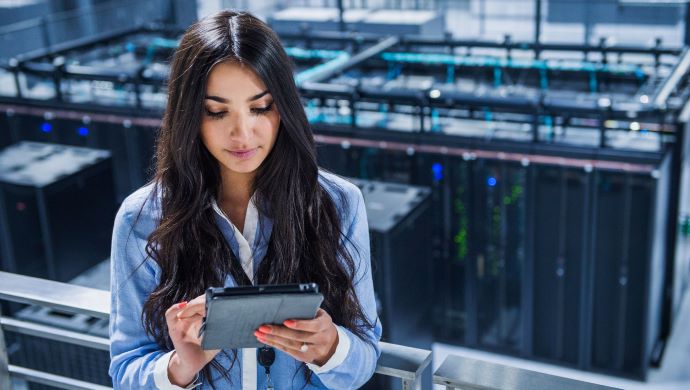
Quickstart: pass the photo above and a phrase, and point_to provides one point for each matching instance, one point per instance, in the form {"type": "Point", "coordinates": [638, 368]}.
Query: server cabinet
{"type": "Point", "coordinates": [498, 254]}
{"type": "Point", "coordinates": [56, 209]}
{"type": "Point", "coordinates": [455, 194]}
{"type": "Point", "coordinates": [398, 217]}
{"type": "Point", "coordinates": [131, 147]}
{"type": "Point", "coordinates": [626, 282]}
{"type": "Point", "coordinates": [560, 255]}
{"type": "Point", "coordinates": [557, 263]}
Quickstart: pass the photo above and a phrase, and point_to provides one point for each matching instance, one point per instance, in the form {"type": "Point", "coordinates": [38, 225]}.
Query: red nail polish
{"type": "Point", "coordinates": [182, 304]}
{"type": "Point", "coordinates": [265, 329]}
{"type": "Point", "coordinates": [289, 323]}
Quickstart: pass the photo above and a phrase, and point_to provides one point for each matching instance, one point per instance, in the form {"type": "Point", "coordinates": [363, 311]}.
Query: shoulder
{"type": "Point", "coordinates": [346, 195]}
{"type": "Point", "coordinates": [335, 183]}
{"type": "Point", "coordinates": [140, 210]}
{"type": "Point", "coordinates": [136, 219]}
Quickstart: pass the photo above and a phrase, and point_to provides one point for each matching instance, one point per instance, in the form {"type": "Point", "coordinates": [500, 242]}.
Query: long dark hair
{"type": "Point", "coordinates": [306, 242]}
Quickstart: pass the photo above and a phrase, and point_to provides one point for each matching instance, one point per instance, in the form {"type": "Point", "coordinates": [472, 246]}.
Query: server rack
{"type": "Point", "coordinates": [398, 215]}
{"type": "Point", "coordinates": [130, 144]}
{"type": "Point", "coordinates": [559, 260]}
{"type": "Point", "coordinates": [627, 282]}
{"type": "Point", "coordinates": [497, 247]}
{"type": "Point", "coordinates": [524, 274]}
{"type": "Point", "coordinates": [46, 230]}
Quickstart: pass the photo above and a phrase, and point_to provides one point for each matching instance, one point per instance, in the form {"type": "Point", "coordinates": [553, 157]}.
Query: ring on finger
{"type": "Point", "coordinates": [304, 348]}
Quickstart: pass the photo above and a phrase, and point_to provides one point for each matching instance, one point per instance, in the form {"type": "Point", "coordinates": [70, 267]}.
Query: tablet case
{"type": "Point", "coordinates": [231, 321]}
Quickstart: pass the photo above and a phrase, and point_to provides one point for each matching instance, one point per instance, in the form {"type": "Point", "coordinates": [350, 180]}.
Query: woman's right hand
{"type": "Point", "coordinates": [184, 321]}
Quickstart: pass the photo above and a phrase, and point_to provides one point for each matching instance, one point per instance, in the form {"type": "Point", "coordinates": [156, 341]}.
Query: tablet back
{"type": "Point", "coordinates": [231, 321]}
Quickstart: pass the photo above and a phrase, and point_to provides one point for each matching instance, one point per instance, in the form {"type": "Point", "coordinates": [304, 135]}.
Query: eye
{"type": "Point", "coordinates": [262, 110]}
{"type": "Point", "coordinates": [215, 115]}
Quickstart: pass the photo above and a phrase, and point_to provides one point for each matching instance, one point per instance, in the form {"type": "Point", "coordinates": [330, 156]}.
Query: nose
{"type": "Point", "coordinates": [240, 128]}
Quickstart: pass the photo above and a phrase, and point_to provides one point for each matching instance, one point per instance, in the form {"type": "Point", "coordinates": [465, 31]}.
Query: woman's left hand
{"type": "Point", "coordinates": [319, 335]}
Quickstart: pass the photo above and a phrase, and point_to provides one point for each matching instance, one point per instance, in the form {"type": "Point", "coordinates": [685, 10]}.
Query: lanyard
{"type": "Point", "coordinates": [267, 355]}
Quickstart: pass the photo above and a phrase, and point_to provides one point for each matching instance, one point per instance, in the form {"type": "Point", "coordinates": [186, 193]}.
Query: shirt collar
{"type": "Point", "coordinates": [246, 240]}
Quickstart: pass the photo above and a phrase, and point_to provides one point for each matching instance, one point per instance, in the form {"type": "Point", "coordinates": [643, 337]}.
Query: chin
{"type": "Point", "coordinates": [249, 168]}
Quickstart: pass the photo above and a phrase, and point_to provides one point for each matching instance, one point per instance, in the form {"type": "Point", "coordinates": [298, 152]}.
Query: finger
{"type": "Point", "coordinates": [318, 324]}
{"type": "Point", "coordinates": [190, 313]}
{"type": "Point", "coordinates": [176, 328]}
{"type": "Point", "coordinates": [287, 333]}
{"type": "Point", "coordinates": [200, 299]}
{"type": "Point", "coordinates": [186, 329]}
{"type": "Point", "coordinates": [286, 345]}
{"type": "Point", "coordinates": [289, 343]}
{"type": "Point", "coordinates": [174, 309]}
{"type": "Point", "coordinates": [191, 333]}
{"type": "Point", "coordinates": [193, 308]}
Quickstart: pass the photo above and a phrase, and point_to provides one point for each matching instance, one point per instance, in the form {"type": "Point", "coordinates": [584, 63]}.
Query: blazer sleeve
{"type": "Point", "coordinates": [360, 363]}
{"type": "Point", "coordinates": [133, 354]}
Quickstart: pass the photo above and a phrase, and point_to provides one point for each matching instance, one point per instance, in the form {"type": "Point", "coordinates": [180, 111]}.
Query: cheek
{"type": "Point", "coordinates": [268, 128]}
{"type": "Point", "coordinates": [207, 136]}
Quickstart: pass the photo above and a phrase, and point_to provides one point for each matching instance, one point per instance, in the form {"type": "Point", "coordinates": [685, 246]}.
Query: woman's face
{"type": "Point", "coordinates": [240, 122]}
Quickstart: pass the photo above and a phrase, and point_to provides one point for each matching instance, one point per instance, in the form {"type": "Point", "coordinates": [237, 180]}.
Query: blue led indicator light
{"type": "Point", "coordinates": [437, 169]}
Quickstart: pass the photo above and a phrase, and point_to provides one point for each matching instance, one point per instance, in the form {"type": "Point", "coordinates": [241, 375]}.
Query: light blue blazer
{"type": "Point", "coordinates": [134, 354]}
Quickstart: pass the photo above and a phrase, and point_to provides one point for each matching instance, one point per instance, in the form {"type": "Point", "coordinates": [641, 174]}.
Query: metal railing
{"type": "Point", "coordinates": [397, 361]}
{"type": "Point", "coordinates": [404, 363]}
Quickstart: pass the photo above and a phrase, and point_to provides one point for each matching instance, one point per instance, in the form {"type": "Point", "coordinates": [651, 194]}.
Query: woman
{"type": "Point", "coordinates": [237, 198]}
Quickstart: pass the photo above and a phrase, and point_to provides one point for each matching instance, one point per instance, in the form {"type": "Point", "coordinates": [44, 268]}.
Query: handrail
{"type": "Point", "coordinates": [402, 362]}
{"type": "Point", "coordinates": [53, 333]}
{"type": "Point", "coordinates": [398, 361]}
{"type": "Point", "coordinates": [62, 296]}
{"type": "Point", "coordinates": [48, 379]}
{"type": "Point", "coordinates": [460, 372]}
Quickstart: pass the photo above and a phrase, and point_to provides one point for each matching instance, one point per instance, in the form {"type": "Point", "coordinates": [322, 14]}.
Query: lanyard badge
{"type": "Point", "coordinates": [267, 355]}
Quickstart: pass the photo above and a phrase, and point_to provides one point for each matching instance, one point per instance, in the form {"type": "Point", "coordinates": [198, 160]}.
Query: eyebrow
{"type": "Point", "coordinates": [224, 100]}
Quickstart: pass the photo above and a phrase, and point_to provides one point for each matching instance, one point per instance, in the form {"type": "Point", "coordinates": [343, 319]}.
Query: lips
{"type": "Point", "coordinates": [243, 154]}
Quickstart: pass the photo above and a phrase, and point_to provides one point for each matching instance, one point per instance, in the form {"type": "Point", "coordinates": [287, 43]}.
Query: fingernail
{"type": "Point", "coordinates": [289, 323]}
{"type": "Point", "coordinates": [265, 329]}
{"type": "Point", "coordinates": [263, 340]}
{"type": "Point", "coordinates": [182, 304]}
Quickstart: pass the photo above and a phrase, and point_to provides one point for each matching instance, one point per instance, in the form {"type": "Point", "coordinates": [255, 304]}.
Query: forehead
{"type": "Point", "coordinates": [231, 80]}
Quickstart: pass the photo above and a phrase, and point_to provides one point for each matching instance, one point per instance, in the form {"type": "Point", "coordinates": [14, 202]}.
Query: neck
{"type": "Point", "coordinates": [236, 188]}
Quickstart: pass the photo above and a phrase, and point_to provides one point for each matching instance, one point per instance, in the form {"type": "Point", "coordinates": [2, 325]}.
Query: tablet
{"type": "Point", "coordinates": [234, 313]}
